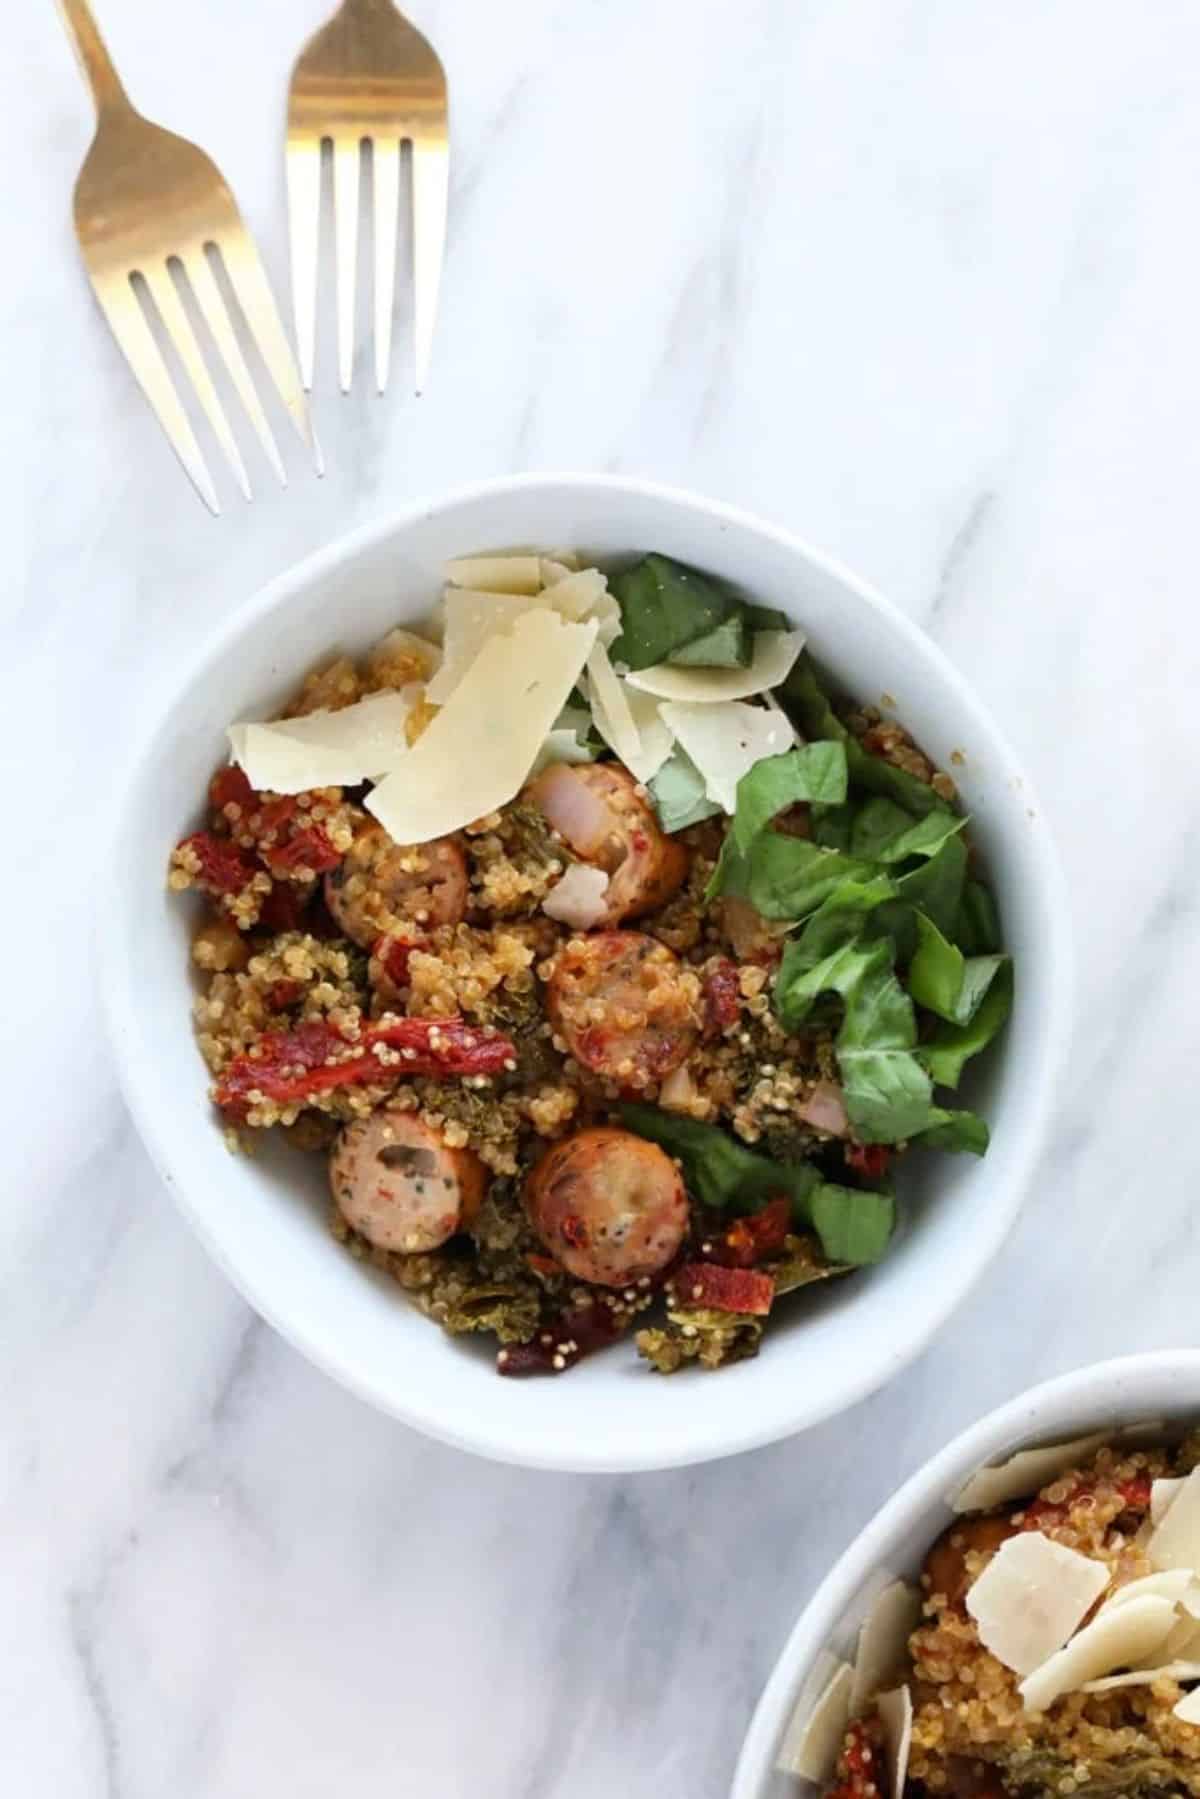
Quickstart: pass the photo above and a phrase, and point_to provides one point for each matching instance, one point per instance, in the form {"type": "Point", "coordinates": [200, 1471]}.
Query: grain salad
{"type": "Point", "coordinates": [1051, 1648]}
{"type": "Point", "coordinates": [608, 957]}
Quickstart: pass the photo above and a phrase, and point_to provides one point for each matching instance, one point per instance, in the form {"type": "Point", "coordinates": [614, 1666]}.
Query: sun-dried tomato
{"type": "Point", "coordinates": [861, 1770]}
{"type": "Point", "coordinates": [720, 1289]}
{"type": "Point", "coordinates": [304, 852]}
{"type": "Point", "coordinates": [1042, 1513]}
{"type": "Point", "coordinates": [224, 867]}
{"type": "Point", "coordinates": [282, 994]}
{"type": "Point", "coordinates": [869, 1159]}
{"type": "Point", "coordinates": [562, 1341]}
{"type": "Point", "coordinates": [286, 908]}
{"type": "Point", "coordinates": [230, 787]}
{"type": "Point", "coordinates": [389, 964]}
{"type": "Point", "coordinates": [722, 998]}
{"type": "Point", "coordinates": [750, 1240]}
{"type": "Point", "coordinates": [289, 1067]}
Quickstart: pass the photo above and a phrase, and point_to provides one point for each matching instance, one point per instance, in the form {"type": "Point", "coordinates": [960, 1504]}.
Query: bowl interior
{"type": "Point", "coordinates": [264, 1219]}
{"type": "Point", "coordinates": [1160, 1392]}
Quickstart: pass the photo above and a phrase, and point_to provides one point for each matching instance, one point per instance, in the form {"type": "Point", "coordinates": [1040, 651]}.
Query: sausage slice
{"type": "Point", "coordinates": [608, 1205]}
{"type": "Point", "coordinates": [400, 1185]}
{"type": "Point", "coordinates": [597, 810]}
{"type": "Point", "coordinates": [380, 884]}
{"type": "Point", "coordinates": [627, 1007]}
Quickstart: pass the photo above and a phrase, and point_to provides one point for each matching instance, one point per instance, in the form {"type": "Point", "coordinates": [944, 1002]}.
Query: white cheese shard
{"type": "Point", "coordinates": [726, 741]}
{"type": "Point", "coordinates": [562, 745]}
{"type": "Point", "coordinates": [1175, 1542]}
{"type": "Point", "coordinates": [1024, 1473]}
{"type": "Point", "coordinates": [582, 594]}
{"type": "Point", "coordinates": [896, 1714]}
{"type": "Point", "coordinates": [1163, 1494]}
{"type": "Point", "coordinates": [771, 661]}
{"type": "Point", "coordinates": [424, 656]}
{"type": "Point", "coordinates": [883, 1640]}
{"type": "Point", "coordinates": [1031, 1596]}
{"type": "Point", "coordinates": [813, 1739]}
{"type": "Point", "coordinates": [469, 616]}
{"type": "Point", "coordinates": [497, 574]}
{"type": "Point", "coordinates": [324, 749]}
{"type": "Point", "coordinates": [475, 755]}
{"type": "Point", "coordinates": [1143, 1677]}
{"type": "Point", "coordinates": [1188, 1709]}
{"type": "Point", "coordinates": [1172, 1584]}
{"type": "Point", "coordinates": [578, 899]}
{"type": "Point", "coordinates": [629, 722]}
{"type": "Point", "coordinates": [1121, 1638]}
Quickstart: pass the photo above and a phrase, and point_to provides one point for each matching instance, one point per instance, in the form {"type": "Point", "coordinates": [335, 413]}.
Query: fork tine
{"type": "Point", "coordinates": [347, 158]}
{"type": "Point", "coordinates": [123, 311]}
{"type": "Point", "coordinates": [430, 187]}
{"type": "Point", "coordinates": [385, 177]}
{"type": "Point", "coordinates": [212, 304]}
{"type": "Point", "coordinates": [165, 294]}
{"type": "Point", "coordinates": [248, 279]}
{"type": "Point", "coordinates": [304, 221]}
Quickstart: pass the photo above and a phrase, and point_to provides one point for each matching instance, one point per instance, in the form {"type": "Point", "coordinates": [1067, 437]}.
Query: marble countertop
{"type": "Point", "coordinates": [918, 280]}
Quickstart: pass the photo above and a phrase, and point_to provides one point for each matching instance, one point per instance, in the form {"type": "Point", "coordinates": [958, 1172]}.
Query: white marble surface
{"type": "Point", "coordinates": [920, 280]}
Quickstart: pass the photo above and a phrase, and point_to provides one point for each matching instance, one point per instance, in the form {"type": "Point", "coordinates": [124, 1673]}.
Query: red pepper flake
{"type": "Point", "coordinates": [224, 867]}
{"type": "Point", "coordinates": [722, 998]}
{"type": "Point", "coordinates": [721, 1289]}
{"type": "Point", "coordinates": [290, 1067]}
{"type": "Point", "coordinates": [574, 1231]}
{"type": "Point", "coordinates": [869, 1159]}
{"type": "Point", "coordinates": [753, 1239]}
{"type": "Point", "coordinates": [562, 1341]}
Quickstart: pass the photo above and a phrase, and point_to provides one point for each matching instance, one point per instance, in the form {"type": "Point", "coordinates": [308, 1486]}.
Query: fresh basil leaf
{"type": "Point", "coordinates": [839, 919]}
{"type": "Point", "coordinates": [679, 794]}
{"type": "Point", "coordinates": [816, 771]}
{"type": "Point", "coordinates": [977, 931]}
{"type": "Point", "coordinates": [958, 1132]}
{"type": "Point", "coordinates": [951, 1047]}
{"type": "Point", "coordinates": [943, 980]}
{"type": "Point", "coordinates": [881, 777]}
{"type": "Point", "coordinates": [935, 887]}
{"type": "Point", "coordinates": [807, 704]}
{"type": "Point", "coordinates": [728, 645]}
{"type": "Point", "coordinates": [885, 832]}
{"type": "Point", "coordinates": [832, 825]}
{"type": "Point", "coordinates": [789, 877]}
{"type": "Point", "coordinates": [664, 606]}
{"type": "Point", "coordinates": [854, 1225]}
{"type": "Point", "coordinates": [765, 618]}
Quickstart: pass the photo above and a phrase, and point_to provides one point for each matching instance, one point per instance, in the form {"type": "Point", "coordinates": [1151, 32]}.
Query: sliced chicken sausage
{"type": "Point", "coordinates": [608, 1205]}
{"type": "Point", "coordinates": [400, 1185]}
{"type": "Point", "coordinates": [598, 812]}
{"type": "Point", "coordinates": [381, 884]}
{"type": "Point", "coordinates": [626, 1006]}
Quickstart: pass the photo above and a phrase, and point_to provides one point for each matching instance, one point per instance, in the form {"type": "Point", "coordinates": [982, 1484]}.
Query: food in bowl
{"type": "Point", "coordinates": [1053, 1646]}
{"type": "Point", "coordinates": [609, 960]}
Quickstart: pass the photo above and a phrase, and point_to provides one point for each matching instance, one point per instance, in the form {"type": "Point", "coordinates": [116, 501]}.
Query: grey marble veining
{"type": "Point", "coordinates": [921, 281]}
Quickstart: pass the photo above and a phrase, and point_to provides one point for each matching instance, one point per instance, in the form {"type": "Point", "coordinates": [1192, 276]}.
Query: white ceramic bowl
{"type": "Point", "coordinates": [264, 1219]}
{"type": "Point", "coordinates": [1161, 1387]}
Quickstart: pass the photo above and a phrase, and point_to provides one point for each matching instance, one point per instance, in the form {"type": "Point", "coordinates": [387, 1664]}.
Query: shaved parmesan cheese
{"type": "Point", "coordinates": [1120, 1638]}
{"type": "Point", "coordinates": [557, 565]}
{"type": "Point", "coordinates": [1188, 1709]}
{"type": "Point", "coordinates": [561, 745]}
{"type": "Point", "coordinates": [726, 741]}
{"type": "Point", "coordinates": [1031, 1596]}
{"type": "Point", "coordinates": [401, 645]}
{"type": "Point", "coordinates": [324, 749]}
{"type": "Point", "coordinates": [1026, 1472]}
{"type": "Point", "coordinates": [1143, 1677]}
{"type": "Point", "coordinates": [896, 1714]}
{"type": "Point", "coordinates": [638, 737]}
{"type": "Point", "coordinates": [770, 663]}
{"type": "Point", "coordinates": [883, 1640]}
{"type": "Point", "coordinates": [584, 594]}
{"type": "Point", "coordinates": [578, 899]}
{"type": "Point", "coordinates": [1176, 1541]}
{"type": "Point", "coordinates": [1163, 1494]}
{"type": "Point", "coordinates": [497, 574]}
{"type": "Point", "coordinates": [1172, 1585]}
{"type": "Point", "coordinates": [814, 1737]}
{"type": "Point", "coordinates": [469, 617]}
{"type": "Point", "coordinates": [475, 755]}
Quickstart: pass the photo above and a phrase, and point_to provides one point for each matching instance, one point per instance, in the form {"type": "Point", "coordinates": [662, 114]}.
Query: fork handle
{"type": "Point", "coordinates": [94, 59]}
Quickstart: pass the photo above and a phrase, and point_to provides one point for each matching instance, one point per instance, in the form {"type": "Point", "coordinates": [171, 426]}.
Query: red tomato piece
{"type": "Point", "coordinates": [230, 787]}
{"type": "Point", "coordinates": [869, 1159]}
{"type": "Point", "coordinates": [752, 1239]}
{"type": "Point", "coordinates": [709, 1285]}
{"type": "Point", "coordinates": [224, 868]}
{"type": "Point", "coordinates": [562, 1341]}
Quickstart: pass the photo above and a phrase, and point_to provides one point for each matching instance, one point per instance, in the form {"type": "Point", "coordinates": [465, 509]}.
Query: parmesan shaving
{"type": "Point", "coordinates": [497, 574]}
{"type": "Point", "coordinates": [770, 663]}
{"type": "Point", "coordinates": [470, 615]}
{"type": "Point", "coordinates": [1119, 1638]}
{"type": "Point", "coordinates": [896, 1714]}
{"type": "Point", "coordinates": [562, 745]}
{"type": "Point", "coordinates": [578, 900]}
{"type": "Point", "coordinates": [883, 1640]}
{"type": "Point", "coordinates": [629, 722]}
{"type": "Point", "coordinates": [814, 1736]}
{"type": "Point", "coordinates": [324, 749]}
{"type": "Point", "coordinates": [475, 755]}
{"type": "Point", "coordinates": [1143, 1677]}
{"type": "Point", "coordinates": [1188, 1709]}
{"type": "Point", "coordinates": [726, 741]}
{"type": "Point", "coordinates": [1031, 1596]}
{"type": "Point", "coordinates": [1176, 1541]}
{"type": "Point", "coordinates": [1163, 1494]}
{"type": "Point", "coordinates": [1028, 1471]}
{"type": "Point", "coordinates": [1172, 1585]}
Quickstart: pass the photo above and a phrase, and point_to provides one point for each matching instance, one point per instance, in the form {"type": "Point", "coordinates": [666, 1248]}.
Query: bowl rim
{"type": "Point", "coordinates": [1029, 1413]}
{"type": "Point", "coordinates": [194, 666]}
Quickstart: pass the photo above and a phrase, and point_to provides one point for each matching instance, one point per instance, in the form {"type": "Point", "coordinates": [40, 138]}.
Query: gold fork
{"type": "Point", "coordinates": [367, 77]}
{"type": "Point", "coordinates": [150, 205]}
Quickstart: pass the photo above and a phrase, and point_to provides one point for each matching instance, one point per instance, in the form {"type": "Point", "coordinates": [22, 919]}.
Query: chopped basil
{"type": "Point", "coordinates": [664, 607]}
{"type": "Point", "coordinates": [727, 645]}
{"type": "Point", "coordinates": [679, 794]}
